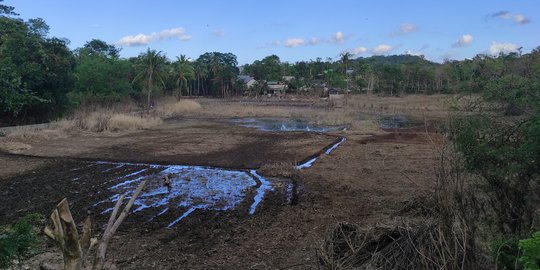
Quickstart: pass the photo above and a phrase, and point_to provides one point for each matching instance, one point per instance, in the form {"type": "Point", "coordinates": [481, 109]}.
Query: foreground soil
{"type": "Point", "coordinates": [369, 179]}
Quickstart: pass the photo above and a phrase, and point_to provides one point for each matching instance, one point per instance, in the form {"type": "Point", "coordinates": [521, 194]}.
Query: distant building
{"type": "Point", "coordinates": [248, 80]}
{"type": "Point", "coordinates": [287, 78]}
{"type": "Point", "coordinates": [276, 88]}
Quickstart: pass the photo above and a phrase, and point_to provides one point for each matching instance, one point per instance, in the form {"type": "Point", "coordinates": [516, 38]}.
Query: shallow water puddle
{"type": "Point", "coordinates": [192, 188]}
{"type": "Point", "coordinates": [310, 162]}
{"type": "Point", "coordinates": [267, 124]}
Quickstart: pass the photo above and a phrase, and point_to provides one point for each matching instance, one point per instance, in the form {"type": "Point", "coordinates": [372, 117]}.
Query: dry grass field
{"type": "Point", "coordinates": [372, 178]}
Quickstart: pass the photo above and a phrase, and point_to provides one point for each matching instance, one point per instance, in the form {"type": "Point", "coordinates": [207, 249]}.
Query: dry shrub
{"type": "Point", "coordinates": [114, 122]}
{"type": "Point", "coordinates": [179, 108]}
{"type": "Point", "coordinates": [445, 238]}
{"type": "Point", "coordinates": [121, 122]}
{"type": "Point", "coordinates": [424, 246]}
{"type": "Point", "coordinates": [239, 109]}
{"type": "Point", "coordinates": [54, 131]}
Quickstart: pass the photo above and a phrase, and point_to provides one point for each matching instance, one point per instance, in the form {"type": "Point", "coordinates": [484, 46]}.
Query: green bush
{"type": "Point", "coordinates": [20, 241]}
{"type": "Point", "coordinates": [530, 249]}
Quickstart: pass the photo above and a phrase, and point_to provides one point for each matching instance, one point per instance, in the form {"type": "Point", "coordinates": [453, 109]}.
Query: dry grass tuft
{"type": "Point", "coordinates": [239, 109]}
{"type": "Point", "coordinates": [179, 108]}
{"type": "Point", "coordinates": [14, 147]}
{"type": "Point", "coordinates": [113, 122]}
{"type": "Point", "coordinates": [424, 246]}
{"type": "Point", "coordinates": [54, 131]}
{"type": "Point", "coordinates": [122, 122]}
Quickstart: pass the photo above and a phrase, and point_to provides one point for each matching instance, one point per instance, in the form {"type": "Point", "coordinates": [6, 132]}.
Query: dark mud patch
{"type": "Point", "coordinates": [399, 122]}
{"type": "Point", "coordinates": [93, 187]}
{"type": "Point", "coordinates": [404, 137]}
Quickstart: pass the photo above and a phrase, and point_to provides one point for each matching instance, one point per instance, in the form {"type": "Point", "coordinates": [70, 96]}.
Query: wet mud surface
{"type": "Point", "coordinates": [221, 213]}
{"type": "Point", "coordinates": [94, 187]}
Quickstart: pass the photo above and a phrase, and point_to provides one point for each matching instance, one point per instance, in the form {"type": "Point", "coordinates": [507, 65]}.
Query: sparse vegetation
{"type": "Point", "coordinates": [20, 241]}
{"type": "Point", "coordinates": [477, 208]}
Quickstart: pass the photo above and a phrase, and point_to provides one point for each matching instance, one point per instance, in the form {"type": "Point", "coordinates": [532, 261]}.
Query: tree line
{"type": "Point", "coordinates": [41, 78]}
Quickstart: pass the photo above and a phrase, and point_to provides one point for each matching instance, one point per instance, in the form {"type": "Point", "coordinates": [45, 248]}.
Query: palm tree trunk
{"type": "Point", "coordinates": [150, 83]}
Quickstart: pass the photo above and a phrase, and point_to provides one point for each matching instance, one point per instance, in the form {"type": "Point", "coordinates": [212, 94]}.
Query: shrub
{"type": "Point", "coordinates": [530, 248]}
{"type": "Point", "coordinates": [20, 241]}
{"type": "Point", "coordinates": [120, 122]}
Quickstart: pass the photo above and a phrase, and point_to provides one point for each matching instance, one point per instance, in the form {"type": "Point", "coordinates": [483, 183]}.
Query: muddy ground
{"type": "Point", "coordinates": [369, 179]}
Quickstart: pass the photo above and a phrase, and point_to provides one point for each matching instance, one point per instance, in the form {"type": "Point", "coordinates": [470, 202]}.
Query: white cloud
{"type": "Point", "coordinates": [498, 48]}
{"type": "Point", "coordinates": [169, 33]}
{"type": "Point", "coordinates": [382, 49]}
{"type": "Point", "coordinates": [358, 50]}
{"type": "Point", "coordinates": [409, 52]}
{"type": "Point", "coordinates": [186, 37]}
{"type": "Point", "coordinates": [407, 28]}
{"type": "Point", "coordinates": [138, 40]}
{"type": "Point", "coordinates": [142, 39]}
{"type": "Point", "coordinates": [521, 19]}
{"type": "Point", "coordinates": [464, 41]}
{"type": "Point", "coordinates": [338, 37]}
{"type": "Point", "coordinates": [294, 42]}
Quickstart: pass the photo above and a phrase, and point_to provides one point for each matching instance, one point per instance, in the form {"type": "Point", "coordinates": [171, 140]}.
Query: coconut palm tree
{"type": "Point", "coordinates": [201, 72]}
{"type": "Point", "coordinates": [152, 66]}
{"type": "Point", "coordinates": [345, 58]}
{"type": "Point", "coordinates": [184, 70]}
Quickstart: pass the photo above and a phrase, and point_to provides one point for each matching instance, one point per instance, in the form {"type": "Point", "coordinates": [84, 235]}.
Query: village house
{"type": "Point", "coordinates": [277, 88]}
{"type": "Point", "coordinates": [248, 80]}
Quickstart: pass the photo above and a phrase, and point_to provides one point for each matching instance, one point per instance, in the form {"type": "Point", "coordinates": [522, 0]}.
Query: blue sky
{"type": "Point", "coordinates": [295, 30]}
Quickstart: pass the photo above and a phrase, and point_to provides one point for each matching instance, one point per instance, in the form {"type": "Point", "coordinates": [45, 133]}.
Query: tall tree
{"type": "Point", "coordinates": [97, 47]}
{"type": "Point", "coordinates": [345, 58]}
{"type": "Point", "coordinates": [201, 72]}
{"type": "Point", "coordinates": [36, 72]}
{"type": "Point", "coordinates": [7, 10]}
{"type": "Point", "coordinates": [184, 70]}
{"type": "Point", "coordinates": [152, 65]}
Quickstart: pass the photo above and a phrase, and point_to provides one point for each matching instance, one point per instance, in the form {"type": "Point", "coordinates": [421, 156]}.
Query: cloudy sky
{"type": "Point", "coordinates": [296, 29]}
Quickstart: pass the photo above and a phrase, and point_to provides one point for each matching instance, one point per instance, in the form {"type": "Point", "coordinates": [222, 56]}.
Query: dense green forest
{"type": "Point", "coordinates": [41, 78]}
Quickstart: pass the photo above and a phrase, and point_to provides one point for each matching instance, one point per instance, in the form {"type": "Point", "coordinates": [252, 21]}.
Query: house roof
{"type": "Point", "coordinates": [245, 78]}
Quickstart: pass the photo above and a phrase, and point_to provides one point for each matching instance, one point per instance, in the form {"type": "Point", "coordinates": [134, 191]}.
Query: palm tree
{"type": "Point", "coordinates": [152, 66]}
{"type": "Point", "coordinates": [201, 72]}
{"type": "Point", "coordinates": [345, 57]}
{"type": "Point", "coordinates": [184, 70]}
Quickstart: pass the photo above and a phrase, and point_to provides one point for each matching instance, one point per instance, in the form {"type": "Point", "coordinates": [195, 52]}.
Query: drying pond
{"type": "Point", "coordinates": [271, 124]}
{"type": "Point", "coordinates": [192, 188]}
{"type": "Point", "coordinates": [94, 187]}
